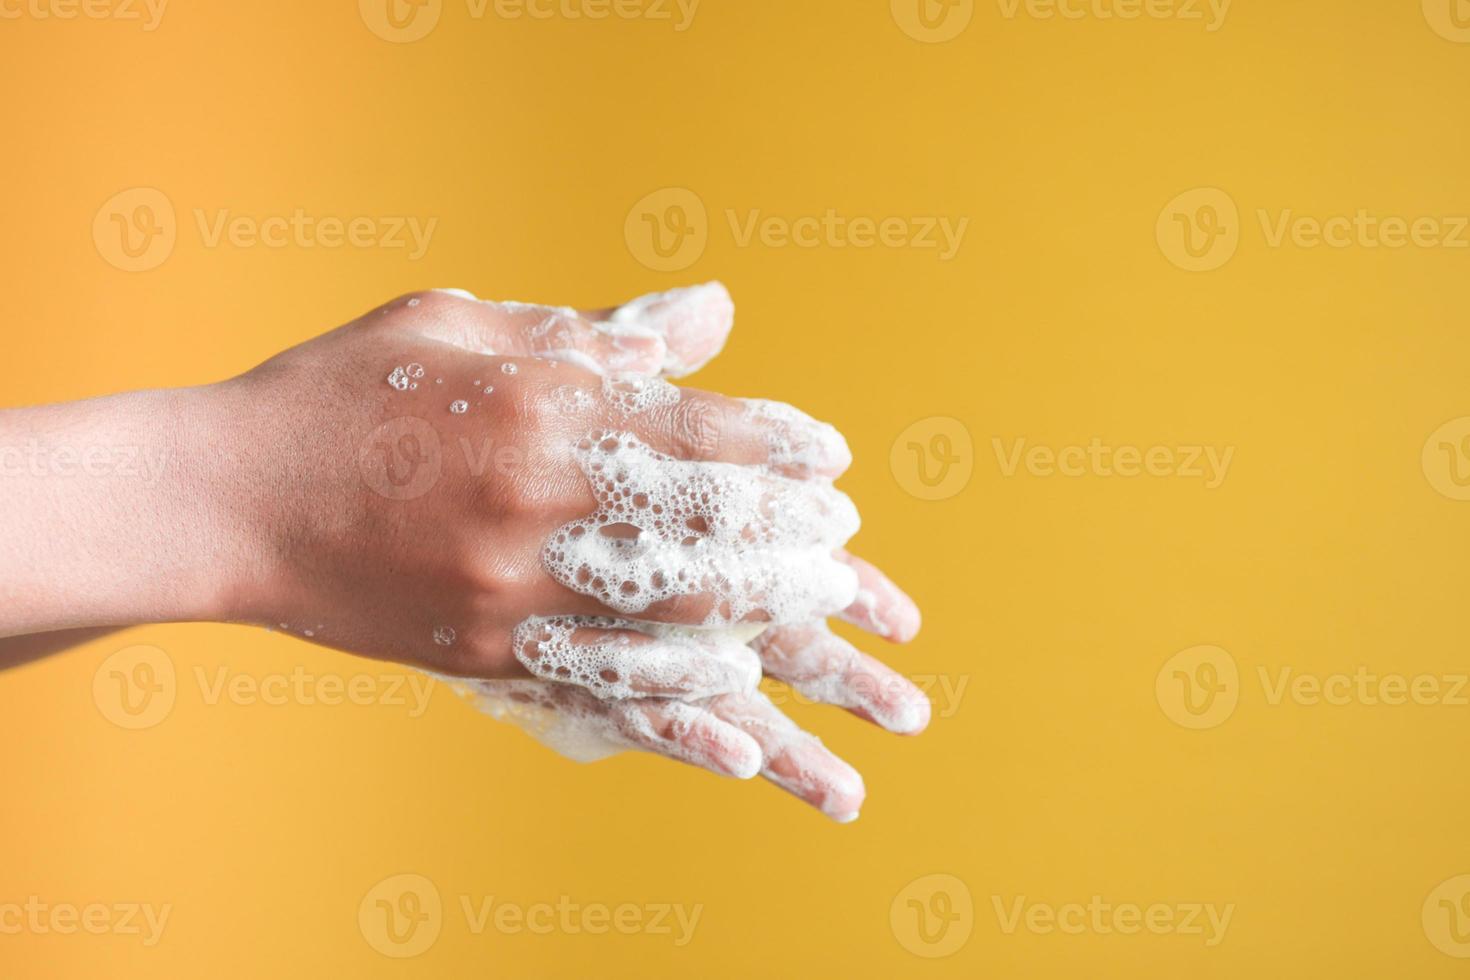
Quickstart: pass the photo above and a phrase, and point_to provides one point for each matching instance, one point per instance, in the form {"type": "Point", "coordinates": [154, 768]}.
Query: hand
{"type": "Point", "coordinates": [364, 507]}
{"type": "Point", "coordinates": [421, 502]}
{"type": "Point", "coordinates": [737, 734]}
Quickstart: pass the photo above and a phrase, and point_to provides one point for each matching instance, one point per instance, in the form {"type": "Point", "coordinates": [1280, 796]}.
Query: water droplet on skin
{"type": "Point", "coordinates": [413, 386]}
{"type": "Point", "coordinates": [460, 407]}
{"type": "Point", "coordinates": [284, 626]}
{"type": "Point", "coordinates": [415, 370]}
{"type": "Point", "coordinates": [508, 368]}
{"type": "Point", "coordinates": [489, 388]}
{"type": "Point", "coordinates": [438, 381]}
{"type": "Point", "coordinates": [399, 379]}
{"type": "Point", "coordinates": [413, 302]}
{"type": "Point", "coordinates": [307, 633]}
{"type": "Point", "coordinates": [444, 636]}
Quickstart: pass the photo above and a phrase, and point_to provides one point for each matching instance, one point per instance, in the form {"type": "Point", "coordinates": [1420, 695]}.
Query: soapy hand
{"type": "Point", "coordinates": [740, 733]}
{"type": "Point", "coordinates": [505, 493]}
{"type": "Point", "coordinates": [430, 504]}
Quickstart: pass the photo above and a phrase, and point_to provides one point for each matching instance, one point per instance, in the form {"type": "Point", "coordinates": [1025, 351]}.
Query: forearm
{"type": "Point", "coordinates": [112, 513]}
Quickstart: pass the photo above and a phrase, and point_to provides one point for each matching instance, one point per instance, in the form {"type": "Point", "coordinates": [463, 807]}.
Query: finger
{"type": "Point", "coordinates": [701, 425]}
{"type": "Point", "coordinates": [528, 330]}
{"type": "Point", "coordinates": [881, 608]}
{"type": "Point", "coordinates": [577, 725]}
{"type": "Point", "coordinates": [687, 733]}
{"type": "Point", "coordinates": [757, 586]}
{"type": "Point", "coordinates": [693, 321]}
{"type": "Point", "coordinates": [824, 667]}
{"type": "Point", "coordinates": [615, 663]}
{"type": "Point", "coordinates": [793, 759]}
{"type": "Point", "coordinates": [702, 545]}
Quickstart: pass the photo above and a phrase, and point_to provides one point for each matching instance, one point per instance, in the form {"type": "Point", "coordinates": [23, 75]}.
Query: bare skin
{"type": "Point", "coordinates": [311, 494]}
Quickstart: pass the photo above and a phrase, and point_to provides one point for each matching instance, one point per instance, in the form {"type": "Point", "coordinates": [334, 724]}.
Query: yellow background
{"type": "Point", "coordinates": [1055, 600]}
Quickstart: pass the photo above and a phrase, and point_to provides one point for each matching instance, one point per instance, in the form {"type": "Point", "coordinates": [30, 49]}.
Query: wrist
{"type": "Point", "coordinates": [229, 502]}
{"type": "Point", "coordinates": [118, 511]}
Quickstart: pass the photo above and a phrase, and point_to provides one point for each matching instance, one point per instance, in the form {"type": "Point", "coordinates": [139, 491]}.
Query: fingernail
{"type": "Point", "coordinates": [746, 760]}
{"type": "Point", "coordinates": [844, 797]}
{"type": "Point", "coordinates": [909, 716]}
{"type": "Point", "coordinates": [907, 619]}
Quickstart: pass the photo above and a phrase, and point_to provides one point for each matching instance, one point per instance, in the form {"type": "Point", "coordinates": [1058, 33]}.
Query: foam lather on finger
{"type": "Point", "coordinates": [604, 656]}
{"type": "Point", "coordinates": [751, 545]}
{"type": "Point", "coordinates": [693, 320]}
{"type": "Point", "coordinates": [797, 442]}
{"type": "Point", "coordinates": [824, 667]}
{"type": "Point", "coordinates": [794, 759]}
{"type": "Point", "coordinates": [575, 724]}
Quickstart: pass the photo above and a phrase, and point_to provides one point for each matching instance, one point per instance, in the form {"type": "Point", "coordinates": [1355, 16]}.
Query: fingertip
{"type": "Point", "coordinates": [747, 761]}
{"type": "Point", "coordinates": [881, 607]}
{"type": "Point", "coordinates": [908, 619]}
{"type": "Point", "coordinates": [844, 796]}
{"type": "Point", "coordinates": [911, 716]}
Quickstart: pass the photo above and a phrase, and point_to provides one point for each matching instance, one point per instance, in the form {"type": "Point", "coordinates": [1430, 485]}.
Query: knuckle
{"type": "Point", "coordinates": [696, 427]}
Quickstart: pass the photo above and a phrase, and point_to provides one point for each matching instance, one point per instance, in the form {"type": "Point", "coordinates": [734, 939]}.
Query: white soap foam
{"type": "Point", "coordinates": [693, 320]}
{"type": "Point", "coordinates": [795, 440]}
{"type": "Point", "coordinates": [634, 394]}
{"type": "Point", "coordinates": [575, 724]}
{"type": "Point", "coordinates": [612, 665]}
{"type": "Point", "coordinates": [753, 545]}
